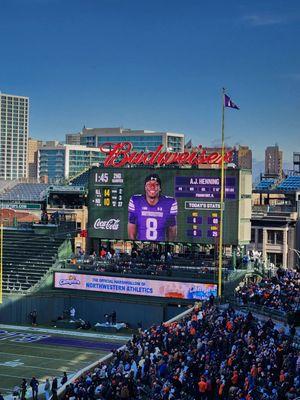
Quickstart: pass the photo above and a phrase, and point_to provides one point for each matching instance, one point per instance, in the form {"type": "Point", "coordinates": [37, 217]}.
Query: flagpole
{"type": "Point", "coordinates": [1, 257]}
{"type": "Point", "coordinates": [221, 202]}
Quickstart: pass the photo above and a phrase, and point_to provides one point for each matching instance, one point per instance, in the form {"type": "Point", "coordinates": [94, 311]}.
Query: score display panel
{"type": "Point", "coordinates": [189, 200]}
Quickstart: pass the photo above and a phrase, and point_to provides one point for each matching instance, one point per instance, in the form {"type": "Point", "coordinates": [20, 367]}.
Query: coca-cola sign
{"type": "Point", "coordinates": [107, 225]}
{"type": "Point", "coordinates": [120, 154]}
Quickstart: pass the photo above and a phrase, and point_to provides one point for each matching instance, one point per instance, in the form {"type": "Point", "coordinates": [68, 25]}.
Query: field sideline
{"type": "Point", "coordinates": [46, 353]}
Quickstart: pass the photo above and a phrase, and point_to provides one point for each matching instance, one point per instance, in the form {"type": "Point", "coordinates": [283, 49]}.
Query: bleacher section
{"type": "Point", "coordinates": [290, 184]}
{"type": "Point", "coordinates": [6, 185]}
{"type": "Point", "coordinates": [26, 258]}
{"type": "Point", "coordinates": [81, 179]}
{"type": "Point", "coordinates": [25, 192]}
{"type": "Point", "coordinates": [265, 184]}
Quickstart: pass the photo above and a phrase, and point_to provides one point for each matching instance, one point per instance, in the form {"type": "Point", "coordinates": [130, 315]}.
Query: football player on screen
{"type": "Point", "coordinates": [152, 216]}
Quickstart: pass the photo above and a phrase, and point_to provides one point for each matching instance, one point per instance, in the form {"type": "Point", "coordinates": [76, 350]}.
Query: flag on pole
{"type": "Point", "coordinates": [229, 103]}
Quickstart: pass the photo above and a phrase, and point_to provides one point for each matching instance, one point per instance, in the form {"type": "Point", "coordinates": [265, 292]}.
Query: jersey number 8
{"type": "Point", "coordinates": [151, 228]}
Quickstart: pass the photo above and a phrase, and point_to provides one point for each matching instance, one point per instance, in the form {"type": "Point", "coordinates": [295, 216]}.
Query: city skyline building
{"type": "Point", "coordinates": [63, 161]}
{"type": "Point", "coordinates": [141, 139]}
{"type": "Point", "coordinates": [273, 161]}
{"type": "Point", "coordinates": [73, 138]}
{"type": "Point", "coordinates": [14, 132]}
{"type": "Point", "coordinates": [241, 157]}
{"type": "Point", "coordinates": [296, 162]}
{"type": "Point", "coordinates": [33, 146]}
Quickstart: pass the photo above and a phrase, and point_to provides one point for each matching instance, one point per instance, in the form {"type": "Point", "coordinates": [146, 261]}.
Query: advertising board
{"type": "Point", "coordinates": [134, 286]}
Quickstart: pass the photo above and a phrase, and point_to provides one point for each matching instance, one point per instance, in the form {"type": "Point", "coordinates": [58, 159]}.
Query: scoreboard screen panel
{"type": "Point", "coordinates": [177, 205]}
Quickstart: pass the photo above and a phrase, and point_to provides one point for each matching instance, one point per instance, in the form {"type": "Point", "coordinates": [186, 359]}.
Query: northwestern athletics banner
{"type": "Point", "coordinates": [140, 287]}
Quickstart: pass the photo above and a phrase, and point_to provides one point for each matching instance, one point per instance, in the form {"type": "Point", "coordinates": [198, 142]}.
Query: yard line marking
{"type": "Point", "coordinates": [47, 369]}
{"type": "Point", "coordinates": [46, 358]}
{"type": "Point", "coordinates": [52, 347]}
{"type": "Point", "coordinates": [15, 376]}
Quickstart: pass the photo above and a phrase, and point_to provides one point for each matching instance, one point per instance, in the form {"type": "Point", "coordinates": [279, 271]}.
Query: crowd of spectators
{"type": "Point", "coordinates": [212, 354]}
{"type": "Point", "coordinates": [146, 262]}
{"type": "Point", "coordinates": [280, 292]}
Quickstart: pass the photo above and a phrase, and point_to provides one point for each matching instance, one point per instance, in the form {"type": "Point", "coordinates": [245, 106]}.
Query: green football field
{"type": "Point", "coordinates": [47, 353]}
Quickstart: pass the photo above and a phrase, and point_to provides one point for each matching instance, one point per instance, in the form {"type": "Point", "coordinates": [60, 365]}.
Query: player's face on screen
{"type": "Point", "coordinates": [152, 189]}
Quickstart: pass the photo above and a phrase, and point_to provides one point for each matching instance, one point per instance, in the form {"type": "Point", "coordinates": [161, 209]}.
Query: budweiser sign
{"type": "Point", "coordinates": [120, 154]}
{"type": "Point", "coordinates": [109, 225]}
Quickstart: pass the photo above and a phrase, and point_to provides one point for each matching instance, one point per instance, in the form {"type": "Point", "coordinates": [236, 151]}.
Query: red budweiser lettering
{"type": "Point", "coordinates": [120, 154]}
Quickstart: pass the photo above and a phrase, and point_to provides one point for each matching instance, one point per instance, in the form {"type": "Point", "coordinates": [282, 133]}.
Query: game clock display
{"type": "Point", "coordinates": [167, 204]}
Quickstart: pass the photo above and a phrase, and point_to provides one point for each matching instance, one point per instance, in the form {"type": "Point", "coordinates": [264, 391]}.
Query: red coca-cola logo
{"type": "Point", "coordinates": [120, 154]}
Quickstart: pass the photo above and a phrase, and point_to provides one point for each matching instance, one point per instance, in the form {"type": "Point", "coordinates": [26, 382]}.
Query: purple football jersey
{"type": "Point", "coordinates": [152, 221]}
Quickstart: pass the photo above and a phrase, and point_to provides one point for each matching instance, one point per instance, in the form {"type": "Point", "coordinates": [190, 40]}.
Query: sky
{"type": "Point", "coordinates": [157, 65]}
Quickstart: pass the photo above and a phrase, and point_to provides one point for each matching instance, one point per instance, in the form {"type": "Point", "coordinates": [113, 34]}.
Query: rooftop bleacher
{"type": "Point", "coordinates": [265, 184]}
{"type": "Point", "coordinates": [290, 184]}
{"type": "Point", "coordinates": [81, 179]}
{"type": "Point", "coordinates": [25, 192]}
{"type": "Point", "coordinates": [6, 185]}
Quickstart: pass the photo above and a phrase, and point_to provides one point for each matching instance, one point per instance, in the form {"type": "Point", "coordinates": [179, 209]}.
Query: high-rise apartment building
{"type": "Point", "coordinates": [273, 161]}
{"type": "Point", "coordinates": [73, 138]}
{"type": "Point", "coordinates": [14, 130]}
{"type": "Point", "coordinates": [33, 146]}
{"type": "Point", "coordinates": [140, 139]}
{"type": "Point", "coordinates": [60, 162]}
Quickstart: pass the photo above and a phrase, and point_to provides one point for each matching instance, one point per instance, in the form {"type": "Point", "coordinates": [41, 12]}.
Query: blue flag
{"type": "Point", "coordinates": [229, 103]}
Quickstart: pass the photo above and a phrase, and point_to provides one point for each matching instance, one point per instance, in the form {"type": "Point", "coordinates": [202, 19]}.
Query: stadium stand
{"type": "Point", "coordinates": [6, 185]}
{"type": "Point", "coordinates": [265, 184]}
{"type": "Point", "coordinates": [280, 294]}
{"type": "Point", "coordinates": [211, 354]}
{"type": "Point", "coordinates": [26, 258]}
{"type": "Point", "coordinates": [203, 270]}
{"type": "Point", "coordinates": [81, 180]}
{"type": "Point", "coordinates": [290, 184]}
{"type": "Point", "coordinates": [25, 192]}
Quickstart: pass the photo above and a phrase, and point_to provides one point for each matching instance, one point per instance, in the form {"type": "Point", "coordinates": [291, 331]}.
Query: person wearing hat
{"type": "Point", "coordinates": [152, 216]}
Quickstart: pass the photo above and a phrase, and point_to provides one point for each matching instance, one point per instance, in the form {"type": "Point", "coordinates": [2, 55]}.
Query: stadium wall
{"type": "Point", "coordinates": [16, 308]}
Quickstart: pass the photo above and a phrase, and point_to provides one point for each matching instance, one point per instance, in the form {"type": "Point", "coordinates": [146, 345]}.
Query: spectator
{"type": "Point", "coordinates": [72, 313]}
{"type": "Point", "coordinates": [34, 384]}
{"type": "Point", "coordinates": [64, 379]}
{"type": "Point", "coordinates": [23, 389]}
{"type": "Point", "coordinates": [33, 317]}
{"type": "Point", "coordinates": [54, 388]}
{"type": "Point", "coordinates": [47, 389]}
{"type": "Point", "coordinates": [222, 355]}
{"type": "Point", "coordinates": [16, 393]}
{"type": "Point", "coordinates": [114, 317]}
{"type": "Point", "coordinates": [279, 293]}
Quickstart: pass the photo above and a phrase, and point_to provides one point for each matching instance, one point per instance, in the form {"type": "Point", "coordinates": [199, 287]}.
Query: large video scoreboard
{"type": "Point", "coordinates": [187, 209]}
